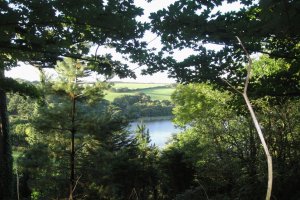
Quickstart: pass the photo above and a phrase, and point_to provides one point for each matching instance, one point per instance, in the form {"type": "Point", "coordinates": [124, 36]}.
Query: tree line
{"type": "Point", "coordinates": [141, 105]}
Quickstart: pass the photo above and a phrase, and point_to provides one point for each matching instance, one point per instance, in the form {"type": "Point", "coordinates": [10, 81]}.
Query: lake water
{"type": "Point", "coordinates": [160, 130]}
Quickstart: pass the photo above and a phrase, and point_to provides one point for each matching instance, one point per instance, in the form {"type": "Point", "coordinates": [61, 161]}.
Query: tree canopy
{"type": "Point", "coordinates": [44, 31]}
{"type": "Point", "coordinates": [269, 26]}
{"type": "Point", "coordinates": [221, 144]}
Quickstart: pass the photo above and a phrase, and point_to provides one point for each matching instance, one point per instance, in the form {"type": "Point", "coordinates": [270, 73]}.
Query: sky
{"type": "Point", "coordinates": [32, 74]}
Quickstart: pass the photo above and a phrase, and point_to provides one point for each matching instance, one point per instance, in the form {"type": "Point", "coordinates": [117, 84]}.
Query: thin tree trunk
{"type": "Point", "coordinates": [73, 132]}
{"type": "Point", "coordinates": [255, 121]}
{"type": "Point", "coordinates": [253, 154]}
{"type": "Point", "coordinates": [72, 155]}
{"type": "Point", "coordinates": [257, 126]}
{"type": "Point", "coordinates": [5, 148]}
{"type": "Point", "coordinates": [264, 144]}
{"type": "Point", "coordinates": [18, 184]}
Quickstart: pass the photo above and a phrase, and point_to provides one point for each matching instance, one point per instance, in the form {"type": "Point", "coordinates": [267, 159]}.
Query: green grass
{"type": "Point", "coordinates": [110, 96]}
{"type": "Point", "coordinates": [162, 93]}
{"type": "Point", "coordinates": [137, 85]}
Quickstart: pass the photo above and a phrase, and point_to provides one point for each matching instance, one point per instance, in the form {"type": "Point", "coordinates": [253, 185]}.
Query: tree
{"type": "Point", "coordinates": [177, 172]}
{"type": "Point", "coordinates": [147, 158]}
{"type": "Point", "coordinates": [70, 86]}
{"type": "Point", "coordinates": [189, 24]}
{"type": "Point", "coordinates": [20, 112]}
{"type": "Point", "coordinates": [42, 32]}
{"type": "Point", "coordinates": [268, 27]}
{"type": "Point", "coordinates": [108, 163]}
{"type": "Point", "coordinates": [5, 150]}
{"type": "Point", "coordinates": [221, 143]}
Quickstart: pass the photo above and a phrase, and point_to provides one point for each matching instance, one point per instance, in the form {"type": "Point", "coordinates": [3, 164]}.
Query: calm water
{"type": "Point", "coordinates": [160, 131]}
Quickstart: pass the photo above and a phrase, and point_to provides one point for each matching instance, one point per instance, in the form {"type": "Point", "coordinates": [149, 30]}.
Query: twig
{"type": "Point", "coordinates": [204, 191]}
{"type": "Point", "coordinates": [80, 147]}
{"type": "Point", "coordinates": [231, 86]}
{"type": "Point", "coordinates": [18, 183]}
{"type": "Point", "coordinates": [133, 194]}
{"type": "Point", "coordinates": [96, 52]}
{"type": "Point", "coordinates": [76, 184]}
{"type": "Point", "coordinates": [152, 40]}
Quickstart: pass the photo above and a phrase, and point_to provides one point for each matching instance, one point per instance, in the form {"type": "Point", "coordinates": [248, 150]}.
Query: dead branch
{"type": "Point", "coordinates": [255, 121]}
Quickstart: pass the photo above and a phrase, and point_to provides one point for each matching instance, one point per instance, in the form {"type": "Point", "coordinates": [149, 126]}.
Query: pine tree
{"type": "Point", "coordinates": [66, 113]}
{"type": "Point", "coordinates": [42, 32]}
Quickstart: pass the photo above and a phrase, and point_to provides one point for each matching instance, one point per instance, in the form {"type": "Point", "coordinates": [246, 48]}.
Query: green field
{"type": "Point", "coordinates": [137, 85]}
{"type": "Point", "coordinates": [163, 92]}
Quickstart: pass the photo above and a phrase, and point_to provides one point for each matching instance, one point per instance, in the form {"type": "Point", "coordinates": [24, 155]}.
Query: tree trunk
{"type": "Point", "coordinates": [265, 147]}
{"type": "Point", "coordinates": [72, 155]}
{"type": "Point", "coordinates": [252, 155]}
{"type": "Point", "coordinates": [73, 133]}
{"type": "Point", "coordinates": [256, 124]}
{"type": "Point", "coordinates": [5, 148]}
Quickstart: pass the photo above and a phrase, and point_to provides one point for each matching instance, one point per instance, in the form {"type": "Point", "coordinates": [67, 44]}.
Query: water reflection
{"type": "Point", "coordinates": [160, 130]}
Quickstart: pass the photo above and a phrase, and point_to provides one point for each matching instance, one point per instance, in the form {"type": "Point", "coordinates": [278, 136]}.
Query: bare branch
{"type": "Point", "coordinates": [96, 52]}
{"type": "Point", "coordinates": [76, 183]}
{"type": "Point", "coordinates": [256, 124]}
{"type": "Point", "coordinates": [231, 86]}
{"type": "Point", "coordinates": [248, 67]}
{"type": "Point", "coordinates": [18, 183]}
{"type": "Point", "coordinates": [80, 147]}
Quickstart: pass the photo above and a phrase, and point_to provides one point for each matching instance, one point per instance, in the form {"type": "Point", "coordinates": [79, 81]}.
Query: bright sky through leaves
{"type": "Point", "coordinates": [30, 73]}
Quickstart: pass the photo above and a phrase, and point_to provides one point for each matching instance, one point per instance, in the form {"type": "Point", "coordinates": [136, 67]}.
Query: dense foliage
{"type": "Point", "coordinates": [267, 26]}
{"type": "Point", "coordinates": [81, 141]}
{"type": "Point", "coordinates": [141, 105]}
{"type": "Point", "coordinates": [222, 147]}
{"type": "Point", "coordinates": [218, 156]}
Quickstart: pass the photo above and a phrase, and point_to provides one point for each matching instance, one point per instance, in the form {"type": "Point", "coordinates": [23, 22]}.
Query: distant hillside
{"type": "Point", "coordinates": [157, 91]}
